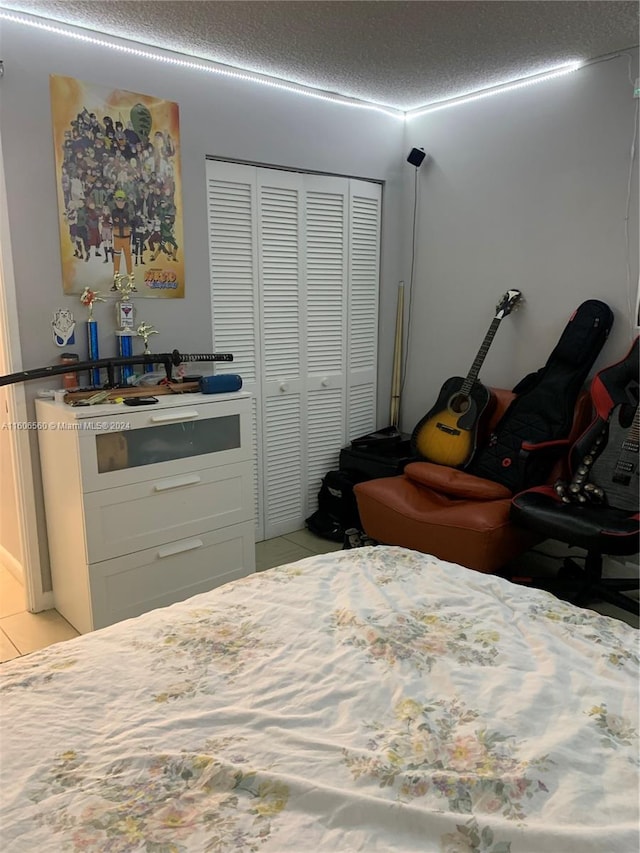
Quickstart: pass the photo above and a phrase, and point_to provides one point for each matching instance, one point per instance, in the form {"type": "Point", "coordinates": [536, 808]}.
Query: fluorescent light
{"type": "Point", "coordinates": [200, 65]}
{"type": "Point", "coordinates": [495, 90]}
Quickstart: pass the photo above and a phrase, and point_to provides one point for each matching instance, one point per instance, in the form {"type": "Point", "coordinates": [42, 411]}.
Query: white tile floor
{"type": "Point", "coordinates": [22, 632]}
{"type": "Point", "coordinates": [293, 546]}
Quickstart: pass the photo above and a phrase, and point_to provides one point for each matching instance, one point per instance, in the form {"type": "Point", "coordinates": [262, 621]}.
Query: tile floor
{"type": "Point", "coordinates": [22, 632]}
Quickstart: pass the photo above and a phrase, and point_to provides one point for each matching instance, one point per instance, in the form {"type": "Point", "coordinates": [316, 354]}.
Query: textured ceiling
{"type": "Point", "coordinates": [404, 54]}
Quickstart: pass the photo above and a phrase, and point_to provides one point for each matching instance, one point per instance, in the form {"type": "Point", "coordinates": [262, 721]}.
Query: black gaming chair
{"type": "Point", "coordinates": [598, 509]}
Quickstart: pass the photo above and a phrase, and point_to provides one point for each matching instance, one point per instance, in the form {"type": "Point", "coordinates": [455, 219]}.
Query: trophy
{"type": "Point", "coordinates": [143, 331]}
{"type": "Point", "coordinates": [124, 317]}
{"type": "Point", "coordinates": [89, 298]}
{"type": "Point", "coordinates": [125, 285]}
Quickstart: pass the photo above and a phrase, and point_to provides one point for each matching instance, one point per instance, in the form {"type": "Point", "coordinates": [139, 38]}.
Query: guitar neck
{"type": "Point", "coordinates": [633, 438]}
{"type": "Point", "coordinates": [472, 376]}
{"type": "Point", "coordinates": [615, 470]}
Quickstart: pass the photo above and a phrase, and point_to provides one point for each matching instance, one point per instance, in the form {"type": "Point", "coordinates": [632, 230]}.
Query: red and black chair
{"type": "Point", "coordinates": [598, 508]}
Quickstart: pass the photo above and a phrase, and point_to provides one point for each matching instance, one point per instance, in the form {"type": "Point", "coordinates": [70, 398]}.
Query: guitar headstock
{"type": "Point", "coordinates": [508, 303]}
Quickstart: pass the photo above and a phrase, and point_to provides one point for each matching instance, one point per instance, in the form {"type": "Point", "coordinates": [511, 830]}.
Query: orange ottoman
{"type": "Point", "coordinates": [445, 512]}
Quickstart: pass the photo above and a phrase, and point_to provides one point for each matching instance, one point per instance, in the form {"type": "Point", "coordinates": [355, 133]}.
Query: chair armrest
{"type": "Point", "coordinates": [547, 446]}
{"type": "Point", "coordinates": [455, 483]}
{"type": "Point", "coordinates": [556, 454]}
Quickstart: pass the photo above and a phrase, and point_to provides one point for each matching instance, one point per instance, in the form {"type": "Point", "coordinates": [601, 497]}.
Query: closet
{"type": "Point", "coordinates": [294, 266]}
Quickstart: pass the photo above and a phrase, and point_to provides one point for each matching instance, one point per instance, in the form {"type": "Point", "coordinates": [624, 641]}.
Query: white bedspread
{"type": "Point", "coordinates": [373, 700]}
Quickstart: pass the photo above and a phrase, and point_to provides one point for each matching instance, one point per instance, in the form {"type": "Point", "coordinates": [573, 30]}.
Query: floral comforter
{"type": "Point", "coordinates": [368, 700]}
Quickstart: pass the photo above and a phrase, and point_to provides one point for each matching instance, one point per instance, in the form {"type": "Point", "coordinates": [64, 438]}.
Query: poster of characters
{"type": "Point", "coordinates": [119, 184]}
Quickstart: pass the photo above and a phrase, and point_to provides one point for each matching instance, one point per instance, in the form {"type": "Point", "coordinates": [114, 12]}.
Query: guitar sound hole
{"type": "Point", "coordinates": [459, 404]}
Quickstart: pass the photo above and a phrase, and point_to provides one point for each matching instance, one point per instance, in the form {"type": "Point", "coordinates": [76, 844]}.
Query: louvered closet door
{"type": "Point", "coordinates": [325, 277]}
{"type": "Point", "coordinates": [280, 225]}
{"type": "Point", "coordinates": [235, 300]}
{"type": "Point", "coordinates": [294, 279]}
{"type": "Point", "coordinates": [364, 279]}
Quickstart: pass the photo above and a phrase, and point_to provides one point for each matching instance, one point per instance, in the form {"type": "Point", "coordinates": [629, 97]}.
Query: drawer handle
{"type": "Point", "coordinates": [180, 548]}
{"type": "Point", "coordinates": [176, 482]}
{"type": "Point", "coordinates": [173, 416]}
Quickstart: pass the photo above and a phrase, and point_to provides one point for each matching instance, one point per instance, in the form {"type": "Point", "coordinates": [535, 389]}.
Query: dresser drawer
{"type": "Point", "coordinates": [146, 506]}
{"type": "Point", "coordinates": [130, 447]}
{"type": "Point", "coordinates": [156, 577]}
{"type": "Point", "coordinates": [155, 512]}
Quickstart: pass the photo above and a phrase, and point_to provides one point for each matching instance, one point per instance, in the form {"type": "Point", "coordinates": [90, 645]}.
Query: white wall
{"type": "Point", "coordinates": [525, 189]}
{"type": "Point", "coordinates": [219, 117]}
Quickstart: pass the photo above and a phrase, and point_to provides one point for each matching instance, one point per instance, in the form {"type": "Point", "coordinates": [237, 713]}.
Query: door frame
{"type": "Point", "coordinates": [29, 561]}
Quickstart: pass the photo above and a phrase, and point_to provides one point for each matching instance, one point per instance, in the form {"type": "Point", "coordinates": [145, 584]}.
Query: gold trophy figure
{"type": "Point", "coordinates": [144, 331]}
{"type": "Point", "coordinates": [89, 297]}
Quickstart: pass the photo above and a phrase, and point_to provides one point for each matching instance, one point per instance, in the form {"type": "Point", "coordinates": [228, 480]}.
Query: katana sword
{"type": "Point", "coordinates": [167, 359]}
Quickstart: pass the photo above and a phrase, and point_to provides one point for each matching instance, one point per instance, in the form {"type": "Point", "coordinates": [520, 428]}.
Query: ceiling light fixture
{"type": "Point", "coordinates": [200, 65]}
{"type": "Point", "coordinates": [559, 71]}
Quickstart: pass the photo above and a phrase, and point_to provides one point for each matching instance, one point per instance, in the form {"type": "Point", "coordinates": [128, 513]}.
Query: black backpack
{"type": "Point", "coordinates": [519, 452]}
{"type": "Point", "coordinates": [337, 507]}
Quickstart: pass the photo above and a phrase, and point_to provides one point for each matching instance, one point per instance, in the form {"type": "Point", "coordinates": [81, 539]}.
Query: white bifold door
{"type": "Point", "coordinates": [294, 262]}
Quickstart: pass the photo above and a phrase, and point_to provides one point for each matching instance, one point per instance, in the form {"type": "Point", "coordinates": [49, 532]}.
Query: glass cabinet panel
{"type": "Point", "coordinates": [166, 442]}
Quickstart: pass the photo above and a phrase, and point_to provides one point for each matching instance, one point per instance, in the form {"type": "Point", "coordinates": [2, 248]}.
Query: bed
{"type": "Point", "coordinates": [375, 699]}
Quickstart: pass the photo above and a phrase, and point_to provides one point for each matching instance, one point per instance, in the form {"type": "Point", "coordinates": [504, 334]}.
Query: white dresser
{"type": "Point", "coordinates": [145, 505]}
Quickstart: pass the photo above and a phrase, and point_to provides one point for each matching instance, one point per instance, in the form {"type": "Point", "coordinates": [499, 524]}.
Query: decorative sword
{"type": "Point", "coordinates": [167, 359]}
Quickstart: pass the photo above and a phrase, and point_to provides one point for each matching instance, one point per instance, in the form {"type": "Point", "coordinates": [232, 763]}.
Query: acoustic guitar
{"type": "Point", "coordinates": [447, 434]}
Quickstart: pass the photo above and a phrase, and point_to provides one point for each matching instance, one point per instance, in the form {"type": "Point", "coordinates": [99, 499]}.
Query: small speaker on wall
{"type": "Point", "coordinates": [416, 156]}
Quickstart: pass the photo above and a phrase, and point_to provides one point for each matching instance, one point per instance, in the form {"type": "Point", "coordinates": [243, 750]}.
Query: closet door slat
{"type": "Point", "coordinates": [295, 265]}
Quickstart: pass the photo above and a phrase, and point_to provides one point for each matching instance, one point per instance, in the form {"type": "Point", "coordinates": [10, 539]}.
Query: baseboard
{"type": "Point", "coordinates": [45, 601]}
{"type": "Point", "coordinates": [12, 564]}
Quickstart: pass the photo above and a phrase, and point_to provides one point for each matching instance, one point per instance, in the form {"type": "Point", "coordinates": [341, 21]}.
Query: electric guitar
{"type": "Point", "coordinates": [447, 434]}
{"type": "Point", "coordinates": [615, 469]}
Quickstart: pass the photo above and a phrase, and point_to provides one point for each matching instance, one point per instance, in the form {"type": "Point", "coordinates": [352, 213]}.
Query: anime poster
{"type": "Point", "coordinates": [119, 185]}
